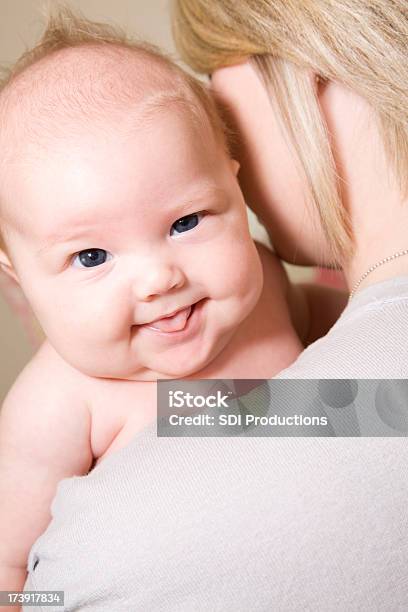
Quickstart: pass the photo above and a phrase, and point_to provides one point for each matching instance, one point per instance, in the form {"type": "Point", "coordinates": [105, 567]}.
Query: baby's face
{"type": "Point", "coordinates": [133, 247]}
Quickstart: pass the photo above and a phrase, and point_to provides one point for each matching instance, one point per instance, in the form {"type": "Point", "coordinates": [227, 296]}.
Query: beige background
{"type": "Point", "coordinates": [21, 24]}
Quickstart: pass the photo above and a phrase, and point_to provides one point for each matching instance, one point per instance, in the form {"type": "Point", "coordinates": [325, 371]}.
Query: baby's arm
{"type": "Point", "coordinates": [44, 437]}
{"type": "Point", "coordinates": [313, 308]}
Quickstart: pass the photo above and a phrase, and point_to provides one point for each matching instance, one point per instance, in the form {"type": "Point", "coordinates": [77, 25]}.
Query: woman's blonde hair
{"type": "Point", "coordinates": [361, 44]}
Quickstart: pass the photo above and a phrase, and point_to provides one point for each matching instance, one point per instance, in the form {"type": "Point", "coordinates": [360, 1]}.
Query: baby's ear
{"type": "Point", "coordinates": [235, 165]}
{"type": "Point", "coordinates": [6, 266]}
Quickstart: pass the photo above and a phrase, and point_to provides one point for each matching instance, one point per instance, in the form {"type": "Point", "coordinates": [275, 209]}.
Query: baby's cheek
{"type": "Point", "coordinates": [85, 316]}
{"type": "Point", "coordinates": [89, 335]}
{"type": "Point", "coordinates": [100, 322]}
{"type": "Point", "coordinates": [239, 266]}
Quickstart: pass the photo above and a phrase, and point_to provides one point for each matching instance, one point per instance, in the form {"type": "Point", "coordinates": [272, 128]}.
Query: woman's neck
{"type": "Point", "coordinates": [371, 194]}
{"type": "Point", "coordinates": [380, 224]}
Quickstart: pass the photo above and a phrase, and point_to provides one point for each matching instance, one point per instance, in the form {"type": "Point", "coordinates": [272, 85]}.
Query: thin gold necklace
{"type": "Point", "coordinates": [374, 267]}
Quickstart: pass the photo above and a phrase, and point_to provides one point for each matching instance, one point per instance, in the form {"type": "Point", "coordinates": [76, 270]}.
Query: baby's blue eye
{"type": "Point", "coordinates": [91, 258]}
{"type": "Point", "coordinates": [185, 223]}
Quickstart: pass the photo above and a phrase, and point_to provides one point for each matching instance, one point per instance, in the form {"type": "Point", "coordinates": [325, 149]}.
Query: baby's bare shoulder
{"type": "Point", "coordinates": [47, 368]}
{"type": "Point", "coordinates": [48, 378]}
{"type": "Point", "coordinates": [45, 406]}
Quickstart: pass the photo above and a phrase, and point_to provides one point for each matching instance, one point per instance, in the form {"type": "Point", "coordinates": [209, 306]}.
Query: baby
{"type": "Point", "coordinates": [124, 224]}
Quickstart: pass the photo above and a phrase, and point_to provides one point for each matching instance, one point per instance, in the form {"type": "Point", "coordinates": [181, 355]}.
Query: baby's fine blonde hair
{"type": "Point", "coordinates": [66, 30]}
{"type": "Point", "coordinates": [361, 44]}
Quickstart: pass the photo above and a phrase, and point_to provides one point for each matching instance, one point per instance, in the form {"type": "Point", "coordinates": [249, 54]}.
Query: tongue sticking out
{"type": "Point", "coordinates": [171, 324]}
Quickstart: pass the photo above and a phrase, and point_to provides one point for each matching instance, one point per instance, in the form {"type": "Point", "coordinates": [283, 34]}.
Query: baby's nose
{"type": "Point", "coordinates": [156, 279]}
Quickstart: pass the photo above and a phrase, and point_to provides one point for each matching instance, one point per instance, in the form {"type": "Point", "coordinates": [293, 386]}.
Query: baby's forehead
{"type": "Point", "coordinates": [75, 91]}
{"type": "Point", "coordinates": [79, 83]}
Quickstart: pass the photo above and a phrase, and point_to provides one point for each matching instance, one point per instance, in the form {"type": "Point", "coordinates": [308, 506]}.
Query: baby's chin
{"type": "Point", "coordinates": [189, 366]}
{"type": "Point", "coordinates": [155, 370]}
{"type": "Point", "coordinates": [170, 371]}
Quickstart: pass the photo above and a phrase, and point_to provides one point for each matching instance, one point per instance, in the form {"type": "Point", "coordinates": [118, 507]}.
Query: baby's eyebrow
{"type": "Point", "coordinates": [62, 237]}
{"type": "Point", "coordinates": [203, 192]}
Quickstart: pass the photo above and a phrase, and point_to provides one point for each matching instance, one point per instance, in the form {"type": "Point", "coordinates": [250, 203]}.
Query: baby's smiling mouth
{"type": "Point", "coordinates": [172, 323]}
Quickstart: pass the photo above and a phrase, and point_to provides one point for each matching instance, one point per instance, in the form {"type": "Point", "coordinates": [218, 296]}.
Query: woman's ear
{"type": "Point", "coordinates": [6, 266]}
